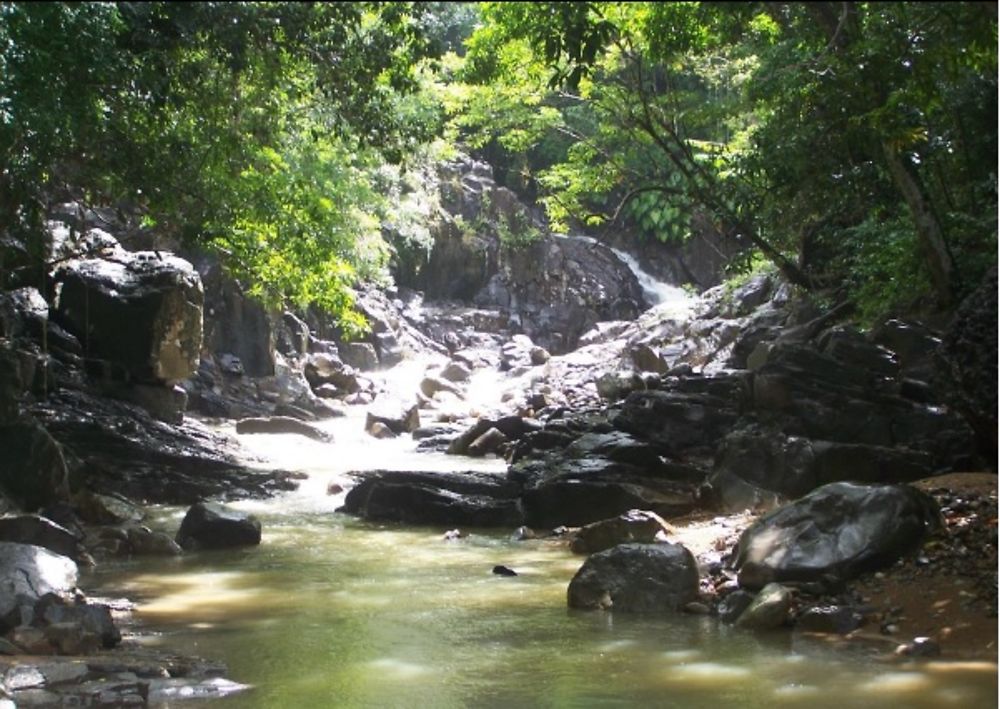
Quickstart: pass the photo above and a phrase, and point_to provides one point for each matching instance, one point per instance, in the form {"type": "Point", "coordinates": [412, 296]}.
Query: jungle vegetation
{"type": "Point", "coordinates": [853, 145]}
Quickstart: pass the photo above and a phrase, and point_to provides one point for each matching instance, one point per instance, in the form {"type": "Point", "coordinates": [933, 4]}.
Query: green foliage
{"type": "Point", "coordinates": [254, 128]}
{"type": "Point", "coordinates": [843, 141]}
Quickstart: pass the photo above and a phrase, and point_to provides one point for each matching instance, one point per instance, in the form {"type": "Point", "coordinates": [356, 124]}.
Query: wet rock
{"type": "Point", "coordinates": [513, 427]}
{"type": "Point", "coordinates": [27, 573]}
{"type": "Point", "coordinates": [504, 571]}
{"type": "Point", "coordinates": [732, 606]}
{"type": "Point", "coordinates": [919, 647]}
{"type": "Point", "coordinates": [141, 310]}
{"type": "Point", "coordinates": [448, 499]}
{"type": "Point", "coordinates": [429, 386]}
{"type": "Point", "coordinates": [404, 421]}
{"type": "Point", "coordinates": [829, 619]}
{"type": "Point", "coordinates": [638, 526]}
{"type": "Point", "coordinates": [377, 429]}
{"type": "Point", "coordinates": [636, 578]}
{"type": "Point", "coordinates": [75, 627]}
{"type": "Point", "coordinates": [105, 509]}
{"type": "Point", "coordinates": [142, 541]}
{"type": "Point", "coordinates": [33, 468]}
{"type": "Point", "coordinates": [125, 451]}
{"type": "Point", "coordinates": [769, 608]}
{"type": "Point", "coordinates": [210, 526]}
{"type": "Point", "coordinates": [841, 529]}
{"type": "Point", "coordinates": [576, 492]}
{"type": "Point", "coordinates": [360, 355]}
{"type": "Point", "coordinates": [39, 531]}
{"type": "Point", "coordinates": [456, 372]}
{"type": "Point", "coordinates": [282, 424]}
{"type": "Point", "coordinates": [490, 442]}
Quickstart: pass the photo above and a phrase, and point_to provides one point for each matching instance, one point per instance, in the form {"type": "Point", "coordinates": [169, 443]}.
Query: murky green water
{"type": "Point", "coordinates": [333, 612]}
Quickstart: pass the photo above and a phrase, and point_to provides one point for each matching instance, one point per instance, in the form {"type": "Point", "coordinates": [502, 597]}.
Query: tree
{"type": "Point", "coordinates": [835, 138]}
{"type": "Point", "coordinates": [252, 128]}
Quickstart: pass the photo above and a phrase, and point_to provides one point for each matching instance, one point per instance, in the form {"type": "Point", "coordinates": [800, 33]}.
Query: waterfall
{"type": "Point", "coordinates": [663, 296]}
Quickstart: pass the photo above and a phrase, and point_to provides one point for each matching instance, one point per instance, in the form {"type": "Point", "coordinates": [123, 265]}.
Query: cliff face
{"type": "Point", "coordinates": [489, 250]}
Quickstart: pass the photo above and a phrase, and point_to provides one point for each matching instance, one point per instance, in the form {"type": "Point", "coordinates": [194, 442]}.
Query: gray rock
{"type": "Point", "coordinates": [210, 526]}
{"type": "Point", "coordinates": [465, 499]}
{"type": "Point", "coordinates": [732, 606]}
{"type": "Point", "coordinates": [841, 529]}
{"type": "Point", "coordinates": [29, 572]}
{"type": "Point", "coordinates": [39, 531]}
{"type": "Point", "coordinates": [769, 609]}
{"type": "Point", "coordinates": [360, 355]}
{"type": "Point", "coordinates": [636, 578]}
{"type": "Point", "coordinates": [282, 424]}
{"type": "Point", "coordinates": [456, 372]}
{"type": "Point", "coordinates": [490, 442]}
{"type": "Point", "coordinates": [141, 310]}
{"type": "Point", "coordinates": [638, 526]}
{"type": "Point", "coordinates": [399, 422]}
{"type": "Point", "coordinates": [829, 619]}
{"type": "Point", "coordinates": [33, 467]}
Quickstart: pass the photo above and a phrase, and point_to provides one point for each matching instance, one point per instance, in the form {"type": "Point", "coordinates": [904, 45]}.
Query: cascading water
{"type": "Point", "coordinates": [663, 296]}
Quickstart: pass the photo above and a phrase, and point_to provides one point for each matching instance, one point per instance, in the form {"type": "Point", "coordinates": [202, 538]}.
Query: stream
{"type": "Point", "coordinates": [332, 611]}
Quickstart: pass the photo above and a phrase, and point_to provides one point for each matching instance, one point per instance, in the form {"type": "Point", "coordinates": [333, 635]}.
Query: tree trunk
{"type": "Point", "coordinates": [929, 233]}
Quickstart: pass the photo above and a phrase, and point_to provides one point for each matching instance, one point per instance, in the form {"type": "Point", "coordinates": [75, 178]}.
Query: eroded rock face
{"type": "Point", "coordinates": [839, 530]}
{"type": "Point", "coordinates": [636, 578]}
{"type": "Point", "coordinates": [968, 363]}
{"type": "Point", "coordinates": [210, 526]}
{"type": "Point", "coordinates": [142, 311]}
{"type": "Point", "coordinates": [33, 467]}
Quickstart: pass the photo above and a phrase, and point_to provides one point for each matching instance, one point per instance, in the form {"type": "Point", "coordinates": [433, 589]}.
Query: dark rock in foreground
{"type": "Point", "coordinates": [209, 526]}
{"type": "Point", "coordinates": [839, 530]}
{"type": "Point", "coordinates": [640, 578]}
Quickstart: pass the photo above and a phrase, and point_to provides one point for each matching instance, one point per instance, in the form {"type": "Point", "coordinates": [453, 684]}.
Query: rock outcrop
{"type": "Point", "coordinates": [833, 534]}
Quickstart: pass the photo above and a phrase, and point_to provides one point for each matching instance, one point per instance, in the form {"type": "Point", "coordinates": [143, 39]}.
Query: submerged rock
{"type": "Point", "coordinates": [639, 578]}
{"type": "Point", "coordinates": [210, 526]}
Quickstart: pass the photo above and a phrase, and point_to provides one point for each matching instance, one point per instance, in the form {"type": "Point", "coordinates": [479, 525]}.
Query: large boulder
{"type": "Point", "coordinates": [33, 468]}
{"type": "Point", "coordinates": [39, 531]}
{"type": "Point", "coordinates": [142, 311]}
{"type": "Point", "coordinates": [27, 573]}
{"type": "Point", "coordinates": [210, 526]}
{"type": "Point", "coordinates": [450, 499]}
{"type": "Point", "coordinates": [636, 578]}
{"type": "Point", "coordinates": [839, 530]}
